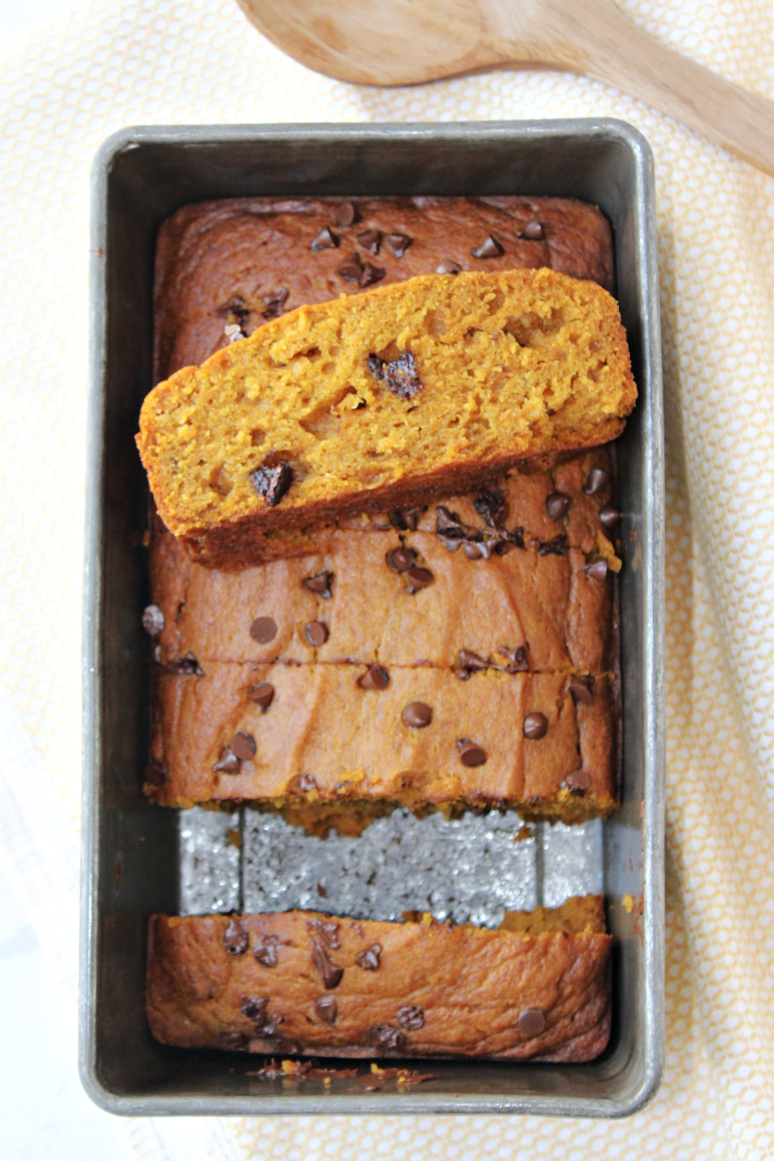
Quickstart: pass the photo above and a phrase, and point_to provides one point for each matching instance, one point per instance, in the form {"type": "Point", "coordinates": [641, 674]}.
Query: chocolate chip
{"type": "Point", "coordinates": [609, 518]}
{"type": "Point", "coordinates": [582, 689]}
{"type": "Point", "coordinates": [557, 505]}
{"type": "Point", "coordinates": [374, 678]}
{"type": "Point", "coordinates": [557, 546]}
{"type": "Point", "coordinates": [370, 240]}
{"type": "Point", "coordinates": [489, 248]}
{"type": "Point", "coordinates": [325, 240]}
{"type": "Point", "coordinates": [262, 695]}
{"type": "Point", "coordinates": [233, 1041]}
{"type": "Point", "coordinates": [578, 782]}
{"type": "Point", "coordinates": [411, 1017]}
{"type": "Point", "coordinates": [154, 775]}
{"type": "Point", "coordinates": [302, 784]}
{"type": "Point", "coordinates": [263, 630]}
{"type": "Point", "coordinates": [227, 763]}
{"type": "Point", "coordinates": [326, 1009]}
{"type": "Point", "coordinates": [400, 376]}
{"type": "Point", "coordinates": [417, 715]}
{"type": "Point", "coordinates": [418, 578]}
{"type": "Point", "coordinates": [254, 1007]}
{"type": "Point", "coordinates": [320, 583]}
{"type": "Point", "coordinates": [401, 559]}
{"type": "Point", "coordinates": [371, 274]}
{"type": "Point", "coordinates": [386, 1038]}
{"type": "Point", "coordinates": [265, 951]}
{"type": "Point", "coordinates": [275, 302]}
{"type": "Point", "coordinates": [369, 960]}
{"type": "Point", "coordinates": [535, 726]}
{"type": "Point", "coordinates": [596, 481]}
{"type": "Point", "coordinates": [317, 633]}
{"type": "Point", "coordinates": [186, 666]}
{"type": "Point", "coordinates": [398, 243]}
{"type": "Point", "coordinates": [448, 267]}
{"type": "Point", "coordinates": [235, 939]}
{"type": "Point", "coordinates": [236, 308]}
{"type": "Point", "coordinates": [405, 519]}
{"type": "Point", "coordinates": [471, 754]}
{"type": "Point", "coordinates": [352, 271]}
{"type": "Point", "coordinates": [344, 215]}
{"type": "Point", "coordinates": [597, 569]}
{"type": "Point", "coordinates": [243, 745]}
{"type": "Point", "coordinates": [516, 658]}
{"type": "Point", "coordinates": [516, 536]}
{"type": "Point", "coordinates": [450, 543]}
{"type": "Point", "coordinates": [533, 231]}
{"type": "Point", "coordinates": [491, 507]}
{"type": "Point", "coordinates": [476, 550]}
{"type": "Point", "coordinates": [469, 663]}
{"type": "Point", "coordinates": [532, 1022]}
{"type": "Point", "coordinates": [328, 930]}
{"type": "Point", "coordinates": [330, 973]}
{"type": "Point", "coordinates": [153, 620]}
{"type": "Point", "coordinates": [272, 482]}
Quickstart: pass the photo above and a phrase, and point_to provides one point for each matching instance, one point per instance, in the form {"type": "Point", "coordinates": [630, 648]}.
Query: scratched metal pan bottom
{"type": "Point", "coordinates": [139, 858]}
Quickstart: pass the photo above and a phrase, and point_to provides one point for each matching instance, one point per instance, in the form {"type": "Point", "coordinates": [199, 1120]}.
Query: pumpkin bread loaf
{"type": "Point", "coordinates": [426, 386]}
{"type": "Point", "coordinates": [304, 983]}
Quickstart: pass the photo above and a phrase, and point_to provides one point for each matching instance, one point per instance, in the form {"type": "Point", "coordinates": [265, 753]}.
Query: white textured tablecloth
{"type": "Point", "coordinates": [114, 64]}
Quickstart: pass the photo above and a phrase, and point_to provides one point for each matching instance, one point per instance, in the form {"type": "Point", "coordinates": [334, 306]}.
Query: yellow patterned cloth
{"type": "Point", "coordinates": [160, 62]}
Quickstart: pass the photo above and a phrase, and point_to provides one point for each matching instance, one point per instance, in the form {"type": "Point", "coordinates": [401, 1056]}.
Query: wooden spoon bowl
{"type": "Point", "coordinates": [404, 42]}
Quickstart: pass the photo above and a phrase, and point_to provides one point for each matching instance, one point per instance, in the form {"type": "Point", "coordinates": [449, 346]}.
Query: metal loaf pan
{"type": "Point", "coordinates": [131, 850]}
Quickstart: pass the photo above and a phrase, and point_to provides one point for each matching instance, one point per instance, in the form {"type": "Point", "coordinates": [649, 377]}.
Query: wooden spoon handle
{"type": "Point", "coordinates": [613, 49]}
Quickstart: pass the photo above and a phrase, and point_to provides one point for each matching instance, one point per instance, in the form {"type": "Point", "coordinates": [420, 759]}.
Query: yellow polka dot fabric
{"type": "Point", "coordinates": [164, 62]}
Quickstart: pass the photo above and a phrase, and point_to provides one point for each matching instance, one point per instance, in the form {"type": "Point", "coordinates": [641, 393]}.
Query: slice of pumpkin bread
{"type": "Point", "coordinates": [423, 387]}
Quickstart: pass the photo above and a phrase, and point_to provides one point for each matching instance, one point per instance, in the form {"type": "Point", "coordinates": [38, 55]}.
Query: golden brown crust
{"type": "Point", "coordinates": [324, 739]}
{"type": "Point", "coordinates": [502, 366]}
{"type": "Point", "coordinates": [437, 990]}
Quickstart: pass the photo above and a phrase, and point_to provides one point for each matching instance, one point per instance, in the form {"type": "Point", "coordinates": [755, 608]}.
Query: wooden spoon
{"type": "Point", "coordinates": [404, 42]}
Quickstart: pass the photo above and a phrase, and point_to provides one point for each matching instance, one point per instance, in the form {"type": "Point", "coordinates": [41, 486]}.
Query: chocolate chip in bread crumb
{"type": "Point", "coordinates": [351, 271]}
{"type": "Point", "coordinates": [317, 633]}
{"type": "Point", "coordinates": [400, 376]}
{"type": "Point", "coordinates": [345, 215]}
{"type": "Point", "coordinates": [491, 507]}
{"type": "Point", "coordinates": [447, 266]}
{"type": "Point", "coordinates": [371, 274]}
{"type": "Point", "coordinates": [535, 726]}
{"type": "Point", "coordinates": [557, 546]}
{"type": "Point", "coordinates": [417, 715]}
{"type": "Point", "coordinates": [326, 1009]}
{"type": "Point", "coordinates": [532, 1022]}
{"type": "Point", "coordinates": [275, 303]}
{"type": "Point", "coordinates": [328, 930]}
{"type": "Point", "coordinates": [470, 754]}
{"type": "Point", "coordinates": [153, 620]}
{"type": "Point", "coordinates": [186, 666]}
{"type": "Point", "coordinates": [227, 763]}
{"type": "Point", "coordinates": [578, 782]}
{"type": "Point", "coordinates": [370, 240]}
{"type": "Point", "coordinates": [235, 938]}
{"type": "Point", "coordinates": [235, 310]}
{"type": "Point", "coordinates": [302, 784]}
{"type": "Point", "coordinates": [262, 695]}
{"type": "Point", "coordinates": [325, 240]}
{"type": "Point", "coordinates": [398, 243]}
{"type": "Point", "coordinates": [469, 663]}
{"type": "Point", "coordinates": [154, 775]}
{"type": "Point", "coordinates": [582, 689]}
{"type": "Point", "coordinates": [609, 517]}
{"type": "Point", "coordinates": [405, 519]}
{"type": "Point", "coordinates": [596, 481]}
{"type": "Point", "coordinates": [265, 951]}
{"type": "Point", "coordinates": [375, 677]}
{"type": "Point", "coordinates": [418, 578]}
{"type": "Point", "coordinates": [517, 660]}
{"type": "Point", "coordinates": [243, 745]}
{"type": "Point", "coordinates": [411, 1017]}
{"type": "Point", "coordinates": [489, 248]}
{"type": "Point", "coordinates": [401, 559]}
{"type": "Point", "coordinates": [369, 960]}
{"type": "Point", "coordinates": [557, 505]}
{"type": "Point", "coordinates": [272, 482]}
{"type": "Point", "coordinates": [263, 630]}
{"type": "Point", "coordinates": [597, 569]}
{"type": "Point", "coordinates": [532, 232]}
{"type": "Point", "coordinates": [385, 1037]}
{"type": "Point", "coordinates": [254, 1007]}
{"type": "Point", "coordinates": [320, 584]}
{"type": "Point", "coordinates": [330, 973]}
